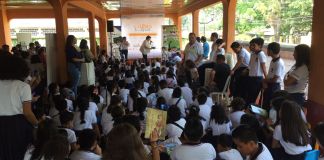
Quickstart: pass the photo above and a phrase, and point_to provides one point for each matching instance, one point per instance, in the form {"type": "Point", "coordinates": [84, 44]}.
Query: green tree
{"type": "Point", "coordinates": [296, 18]}
{"type": "Point", "coordinates": [250, 16]}
{"type": "Point", "coordinates": [285, 17]}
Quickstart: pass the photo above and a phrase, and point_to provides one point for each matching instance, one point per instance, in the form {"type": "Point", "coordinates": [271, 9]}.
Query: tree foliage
{"type": "Point", "coordinates": [285, 17]}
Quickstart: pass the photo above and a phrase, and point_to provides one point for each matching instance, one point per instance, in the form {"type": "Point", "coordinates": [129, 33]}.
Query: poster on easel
{"type": "Point", "coordinates": [170, 37]}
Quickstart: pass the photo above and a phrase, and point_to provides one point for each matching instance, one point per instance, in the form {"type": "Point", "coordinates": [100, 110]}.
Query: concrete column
{"type": "Point", "coordinates": [92, 33]}
{"type": "Point", "coordinates": [229, 8]}
{"type": "Point", "coordinates": [61, 23]}
{"type": "Point", "coordinates": [195, 22]}
{"type": "Point", "coordinates": [5, 37]}
{"type": "Point", "coordinates": [316, 78]}
{"type": "Point", "coordinates": [103, 33]}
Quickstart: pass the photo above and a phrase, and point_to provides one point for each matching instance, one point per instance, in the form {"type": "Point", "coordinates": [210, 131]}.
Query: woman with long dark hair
{"type": "Point", "coordinates": [291, 134]}
{"type": "Point", "coordinates": [74, 60]}
{"type": "Point", "coordinates": [57, 148]}
{"type": "Point", "coordinates": [296, 78]}
{"type": "Point", "coordinates": [16, 116]}
{"type": "Point", "coordinates": [85, 118]}
{"type": "Point", "coordinates": [87, 68]}
{"type": "Point", "coordinates": [45, 131]}
{"type": "Point", "coordinates": [178, 101]}
{"type": "Point", "coordinates": [123, 142]}
{"type": "Point", "coordinates": [107, 119]}
{"type": "Point", "coordinates": [219, 122]}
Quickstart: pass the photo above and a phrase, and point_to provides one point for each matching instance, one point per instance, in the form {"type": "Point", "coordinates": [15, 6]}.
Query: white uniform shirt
{"type": "Point", "coordinates": [69, 105]}
{"type": "Point", "coordinates": [130, 80]}
{"type": "Point", "coordinates": [166, 93]}
{"type": "Point", "coordinates": [205, 112]}
{"type": "Point", "coordinates": [152, 98]}
{"type": "Point", "coordinates": [123, 93]}
{"type": "Point", "coordinates": [107, 122]}
{"type": "Point", "coordinates": [71, 135]}
{"type": "Point", "coordinates": [193, 51]}
{"type": "Point", "coordinates": [219, 129]}
{"type": "Point", "coordinates": [213, 56]}
{"type": "Point", "coordinates": [231, 154]}
{"type": "Point", "coordinates": [173, 130]}
{"type": "Point", "coordinates": [93, 107]}
{"type": "Point", "coordinates": [203, 151]}
{"type": "Point", "coordinates": [277, 68]}
{"type": "Point", "coordinates": [290, 148]}
{"type": "Point", "coordinates": [124, 45]}
{"type": "Point", "coordinates": [83, 155]}
{"type": "Point", "coordinates": [264, 155]}
{"type": "Point", "coordinates": [89, 118]}
{"type": "Point", "coordinates": [12, 94]}
{"type": "Point", "coordinates": [145, 47]}
{"type": "Point", "coordinates": [187, 94]}
{"type": "Point", "coordinates": [235, 118]}
{"type": "Point", "coordinates": [301, 75]}
{"type": "Point", "coordinates": [255, 64]}
{"type": "Point", "coordinates": [209, 102]}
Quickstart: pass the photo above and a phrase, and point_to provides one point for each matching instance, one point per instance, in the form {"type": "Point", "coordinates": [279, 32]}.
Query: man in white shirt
{"type": "Point", "coordinates": [238, 81]}
{"type": "Point", "coordinates": [193, 149]}
{"type": "Point", "coordinates": [146, 47]}
{"type": "Point", "coordinates": [257, 70]}
{"type": "Point", "coordinates": [194, 50]}
{"type": "Point", "coordinates": [276, 74]}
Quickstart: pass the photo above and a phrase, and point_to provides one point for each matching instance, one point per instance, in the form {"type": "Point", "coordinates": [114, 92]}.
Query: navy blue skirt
{"type": "Point", "coordinates": [16, 133]}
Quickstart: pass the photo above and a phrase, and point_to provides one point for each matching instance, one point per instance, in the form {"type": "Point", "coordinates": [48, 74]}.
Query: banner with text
{"type": "Point", "coordinates": [137, 27]}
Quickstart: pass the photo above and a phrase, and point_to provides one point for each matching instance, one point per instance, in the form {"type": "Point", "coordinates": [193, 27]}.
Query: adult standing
{"type": "Point", "coordinates": [194, 50]}
{"type": "Point", "coordinates": [205, 46]}
{"type": "Point", "coordinates": [239, 71]}
{"type": "Point", "coordinates": [146, 47]}
{"type": "Point", "coordinates": [296, 79]}
{"type": "Point", "coordinates": [124, 48]}
{"type": "Point", "coordinates": [74, 59]}
{"type": "Point", "coordinates": [213, 38]}
{"type": "Point", "coordinates": [16, 116]}
{"type": "Point", "coordinates": [87, 68]}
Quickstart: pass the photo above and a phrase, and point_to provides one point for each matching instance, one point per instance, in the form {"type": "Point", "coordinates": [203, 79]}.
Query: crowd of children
{"type": "Point", "coordinates": [107, 120]}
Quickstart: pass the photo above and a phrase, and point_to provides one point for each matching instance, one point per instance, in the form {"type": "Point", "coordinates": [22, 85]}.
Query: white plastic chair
{"type": "Point", "coordinates": [222, 97]}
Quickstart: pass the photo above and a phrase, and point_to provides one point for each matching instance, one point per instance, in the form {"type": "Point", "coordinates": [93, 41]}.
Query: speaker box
{"type": "Point", "coordinates": [110, 26]}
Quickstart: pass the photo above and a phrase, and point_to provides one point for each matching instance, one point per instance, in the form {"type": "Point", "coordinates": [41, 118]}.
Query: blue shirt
{"type": "Point", "coordinates": [71, 53]}
{"type": "Point", "coordinates": [206, 49]}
